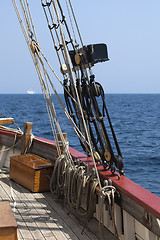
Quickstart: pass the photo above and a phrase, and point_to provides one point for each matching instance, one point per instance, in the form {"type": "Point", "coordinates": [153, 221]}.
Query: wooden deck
{"type": "Point", "coordinates": [40, 217]}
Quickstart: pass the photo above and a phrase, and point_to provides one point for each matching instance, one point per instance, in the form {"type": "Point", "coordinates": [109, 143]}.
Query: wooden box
{"type": "Point", "coordinates": [8, 225]}
{"type": "Point", "coordinates": [31, 171]}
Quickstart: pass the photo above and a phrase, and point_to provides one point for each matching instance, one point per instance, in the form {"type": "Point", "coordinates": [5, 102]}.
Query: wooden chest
{"type": "Point", "coordinates": [8, 225]}
{"type": "Point", "coordinates": [31, 171]}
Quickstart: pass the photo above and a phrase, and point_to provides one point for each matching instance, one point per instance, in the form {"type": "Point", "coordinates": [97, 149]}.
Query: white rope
{"type": "Point", "coordinates": [76, 129]}
{"type": "Point", "coordinates": [26, 17]}
{"type": "Point", "coordinates": [48, 105]}
{"type": "Point", "coordinates": [107, 192]}
{"type": "Point", "coordinates": [27, 40]}
{"type": "Point", "coordinates": [65, 171]}
{"type": "Point", "coordinates": [76, 23]}
{"type": "Point", "coordinates": [73, 183]}
{"type": "Point", "coordinates": [71, 22]}
{"type": "Point", "coordinates": [29, 144]}
{"type": "Point", "coordinates": [73, 82]}
{"type": "Point", "coordinates": [33, 28]}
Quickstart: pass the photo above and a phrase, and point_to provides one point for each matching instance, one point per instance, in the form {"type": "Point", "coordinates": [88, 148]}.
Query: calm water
{"type": "Point", "coordinates": [136, 120]}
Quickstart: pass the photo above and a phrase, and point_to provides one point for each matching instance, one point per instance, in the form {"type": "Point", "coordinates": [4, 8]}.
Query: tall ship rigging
{"type": "Point", "coordinates": [86, 177]}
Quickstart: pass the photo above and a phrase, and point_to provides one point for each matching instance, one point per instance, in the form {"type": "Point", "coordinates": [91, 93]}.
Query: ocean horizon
{"type": "Point", "coordinates": [135, 118]}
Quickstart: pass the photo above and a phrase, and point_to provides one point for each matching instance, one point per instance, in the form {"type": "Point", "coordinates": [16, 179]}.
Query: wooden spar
{"type": "Point", "coordinates": [5, 121]}
{"type": "Point", "coordinates": [27, 135]}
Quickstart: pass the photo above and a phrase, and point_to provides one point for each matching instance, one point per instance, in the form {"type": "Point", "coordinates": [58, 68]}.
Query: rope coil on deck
{"type": "Point", "coordinates": [69, 177]}
{"type": "Point", "coordinates": [74, 183]}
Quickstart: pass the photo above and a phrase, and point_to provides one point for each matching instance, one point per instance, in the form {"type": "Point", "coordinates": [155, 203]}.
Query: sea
{"type": "Point", "coordinates": [135, 118]}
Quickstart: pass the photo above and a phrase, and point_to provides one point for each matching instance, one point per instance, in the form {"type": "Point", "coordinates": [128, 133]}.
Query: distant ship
{"type": "Point", "coordinates": [30, 92]}
{"type": "Point", "coordinates": [87, 182]}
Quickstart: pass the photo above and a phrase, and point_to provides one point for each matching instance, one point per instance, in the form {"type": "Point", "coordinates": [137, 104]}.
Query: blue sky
{"type": "Point", "coordinates": [129, 28]}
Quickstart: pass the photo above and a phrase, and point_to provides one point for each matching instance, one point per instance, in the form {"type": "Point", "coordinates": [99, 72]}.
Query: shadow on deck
{"type": "Point", "coordinates": [39, 216]}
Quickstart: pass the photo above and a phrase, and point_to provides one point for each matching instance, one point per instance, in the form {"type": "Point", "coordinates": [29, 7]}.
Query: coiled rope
{"type": "Point", "coordinates": [107, 195]}
{"type": "Point", "coordinates": [69, 177]}
{"type": "Point", "coordinates": [74, 183]}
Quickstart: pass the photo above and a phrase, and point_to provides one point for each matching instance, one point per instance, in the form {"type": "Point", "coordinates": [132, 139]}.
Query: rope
{"type": "Point", "coordinates": [76, 23]}
{"type": "Point", "coordinates": [107, 193]}
{"type": "Point", "coordinates": [69, 177]}
{"type": "Point", "coordinates": [27, 40]}
{"type": "Point", "coordinates": [62, 105]}
{"type": "Point", "coordinates": [29, 144]}
{"type": "Point", "coordinates": [51, 105]}
{"type": "Point", "coordinates": [71, 23]}
{"type": "Point", "coordinates": [50, 28]}
{"type": "Point", "coordinates": [31, 20]}
{"type": "Point", "coordinates": [14, 144]}
{"type": "Point", "coordinates": [13, 122]}
{"type": "Point", "coordinates": [77, 96]}
{"type": "Point", "coordinates": [74, 183]}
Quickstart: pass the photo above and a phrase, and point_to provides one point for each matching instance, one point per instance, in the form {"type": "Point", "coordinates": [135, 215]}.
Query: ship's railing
{"type": "Point", "coordinates": [137, 211]}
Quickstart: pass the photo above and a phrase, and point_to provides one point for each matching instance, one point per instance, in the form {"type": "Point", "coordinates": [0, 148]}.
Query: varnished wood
{"type": "Point", "coordinates": [8, 225]}
{"type": "Point", "coordinates": [31, 171]}
{"type": "Point", "coordinates": [27, 135]}
{"type": "Point", "coordinates": [5, 121]}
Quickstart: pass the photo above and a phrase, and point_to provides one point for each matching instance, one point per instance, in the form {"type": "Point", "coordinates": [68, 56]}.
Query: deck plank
{"type": "Point", "coordinates": [44, 213]}
{"type": "Point", "coordinates": [22, 225]}
{"type": "Point", "coordinates": [64, 230]}
{"type": "Point", "coordinates": [38, 216]}
{"type": "Point", "coordinates": [38, 230]}
{"type": "Point", "coordinates": [77, 227]}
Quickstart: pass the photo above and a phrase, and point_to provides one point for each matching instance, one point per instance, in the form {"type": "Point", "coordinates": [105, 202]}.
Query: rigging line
{"type": "Point", "coordinates": [37, 66]}
{"type": "Point", "coordinates": [27, 41]}
{"type": "Point", "coordinates": [67, 29]}
{"type": "Point", "coordinates": [76, 129]}
{"type": "Point", "coordinates": [26, 18]}
{"type": "Point", "coordinates": [71, 78]}
{"type": "Point", "coordinates": [67, 60]}
{"type": "Point", "coordinates": [47, 106]}
{"type": "Point", "coordinates": [71, 23]}
{"type": "Point", "coordinates": [76, 23]}
{"type": "Point", "coordinates": [51, 122]}
{"type": "Point", "coordinates": [58, 78]}
{"type": "Point", "coordinates": [20, 21]}
{"type": "Point", "coordinates": [64, 20]}
{"type": "Point", "coordinates": [52, 125]}
{"type": "Point", "coordinates": [57, 36]}
{"type": "Point", "coordinates": [62, 105]}
{"type": "Point", "coordinates": [23, 30]}
{"type": "Point", "coordinates": [26, 37]}
{"type": "Point", "coordinates": [100, 124]}
{"type": "Point", "coordinates": [97, 129]}
{"type": "Point", "coordinates": [111, 126]}
{"type": "Point", "coordinates": [53, 22]}
{"type": "Point", "coordinates": [54, 113]}
{"type": "Point", "coordinates": [31, 20]}
{"type": "Point", "coordinates": [34, 59]}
